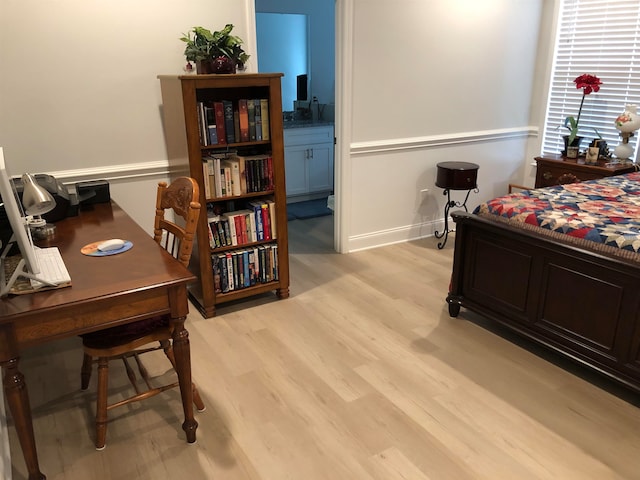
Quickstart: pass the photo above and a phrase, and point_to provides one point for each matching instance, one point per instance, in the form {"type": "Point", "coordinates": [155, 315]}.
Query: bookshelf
{"type": "Point", "coordinates": [253, 262]}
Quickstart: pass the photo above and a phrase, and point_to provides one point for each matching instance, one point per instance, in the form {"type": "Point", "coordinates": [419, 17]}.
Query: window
{"type": "Point", "coordinates": [601, 38]}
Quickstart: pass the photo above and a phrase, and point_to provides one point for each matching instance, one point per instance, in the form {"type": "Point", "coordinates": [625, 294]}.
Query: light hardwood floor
{"type": "Point", "coordinates": [359, 375]}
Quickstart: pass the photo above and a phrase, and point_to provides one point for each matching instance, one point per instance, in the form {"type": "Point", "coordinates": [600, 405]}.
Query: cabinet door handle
{"type": "Point", "coordinates": [311, 153]}
{"type": "Point", "coordinates": [547, 175]}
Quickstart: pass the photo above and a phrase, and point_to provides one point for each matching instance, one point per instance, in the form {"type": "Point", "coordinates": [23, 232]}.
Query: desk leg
{"type": "Point", "coordinates": [182, 352]}
{"type": "Point", "coordinates": [18, 399]}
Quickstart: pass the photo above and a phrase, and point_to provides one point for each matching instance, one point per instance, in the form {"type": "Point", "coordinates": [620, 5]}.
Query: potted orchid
{"type": "Point", "coordinates": [588, 83]}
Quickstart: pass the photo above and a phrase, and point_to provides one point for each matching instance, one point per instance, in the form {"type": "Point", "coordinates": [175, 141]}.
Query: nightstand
{"type": "Point", "coordinates": [455, 176]}
{"type": "Point", "coordinates": [558, 170]}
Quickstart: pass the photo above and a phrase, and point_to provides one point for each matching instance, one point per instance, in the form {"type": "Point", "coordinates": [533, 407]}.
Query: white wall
{"type": "Point", "coordinates": [429, 82]}
{"type": "Point", "coordinates": [78, 87]}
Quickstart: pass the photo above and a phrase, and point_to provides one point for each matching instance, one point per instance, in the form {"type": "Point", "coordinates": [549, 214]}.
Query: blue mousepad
{"type": "Point", "coordinates": [92, 249]}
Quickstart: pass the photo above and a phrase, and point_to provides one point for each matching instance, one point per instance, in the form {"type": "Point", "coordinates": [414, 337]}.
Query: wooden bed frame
{"type": "Point", "coordinates": [581, 304]}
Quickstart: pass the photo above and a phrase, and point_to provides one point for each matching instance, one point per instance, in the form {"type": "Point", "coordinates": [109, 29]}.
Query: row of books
{"type": "Point", "coordinates": [256, 223]}
{"type": "Point", "coordinates": [244, 268]}
{"type": "Point", "coordinates": [228, 175]}
{"type": "Point", "coordinates": [233, 121]}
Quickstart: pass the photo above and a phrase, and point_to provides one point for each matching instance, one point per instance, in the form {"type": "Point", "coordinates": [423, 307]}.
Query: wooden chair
{"type": "Point", "coordinates": [132, 340]}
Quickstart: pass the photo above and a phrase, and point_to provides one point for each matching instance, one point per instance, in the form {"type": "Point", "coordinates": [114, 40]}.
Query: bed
{"type": "Point", "coordinates": [560, 266]}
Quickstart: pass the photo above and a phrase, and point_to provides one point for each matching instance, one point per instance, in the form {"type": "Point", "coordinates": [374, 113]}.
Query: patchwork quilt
{"type": "Point", "coordinates": [604, 211]}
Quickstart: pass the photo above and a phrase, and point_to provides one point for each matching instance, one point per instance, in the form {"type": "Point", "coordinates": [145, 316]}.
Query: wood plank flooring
{"type": "Point", "coordinates": [359, 375]}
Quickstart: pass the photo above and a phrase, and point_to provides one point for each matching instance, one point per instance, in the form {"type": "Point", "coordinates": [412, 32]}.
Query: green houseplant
{"type": "Point", "coordinates": [214, 52]}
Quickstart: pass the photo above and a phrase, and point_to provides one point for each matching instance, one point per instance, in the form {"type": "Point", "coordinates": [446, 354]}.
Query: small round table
{"type": "Point", "coordinates": [455, 176]}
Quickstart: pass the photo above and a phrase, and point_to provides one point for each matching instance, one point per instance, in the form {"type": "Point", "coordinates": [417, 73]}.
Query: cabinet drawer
{"type": "Point", "coordinates": [548, 176]}
{"type": "Point", "coordinates": [307, 136]}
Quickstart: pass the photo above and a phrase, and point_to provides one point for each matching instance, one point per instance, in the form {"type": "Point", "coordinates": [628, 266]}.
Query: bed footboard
{"type": "Point", "coordinates": [581, 304]}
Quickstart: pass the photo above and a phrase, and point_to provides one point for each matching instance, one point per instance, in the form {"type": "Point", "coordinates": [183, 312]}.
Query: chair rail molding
{"type": "Point", "coordinates": [430, 141]}
{"type": "Point", "coordinates": [125, 171]}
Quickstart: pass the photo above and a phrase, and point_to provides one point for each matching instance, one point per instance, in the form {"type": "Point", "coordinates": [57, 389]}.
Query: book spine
{"type": "Point", "coordinates": [264, 114]}
{"type": "Point", "coordinates": [238, 228]}
{"type": "Point", "coordinates": [205, 178]}
{"type": "Point", "coordinates": [236, 270]}
{"type": "Point", "coordinates": [257, 214]}
{"type": "Point", "coordinates": [212, 243]}
{"type": "Point", "coordinates": [230, 273]}
{"type": "Point", "coordinates": [251, 110]}
{"type": "Point", "coordinates": [217, 177]}
{"type": "Point", "coordinates": [202, 124]}
{"type": "Point", "coordinates": [272, 217]}
{"type": "Point", "coordinates": [243, 110]}
{"type": "Point", "coordinates": [252, 266]}
{"type": "Point", "coordinates": [232, 230]}
{"type": "Point", "coordinates": [258, 115]}
{"type": "Point", "coordinates": [217, 281]}
{"type": "Point", "coordinates": [224, 273]}
{"type": "Point", "coordinates": [245, 267]}
{"type": "Point", "coordinates": [266, 222]}
{"type": "Point", "coordinates": [228, 121]}
{"type": "Point", "coordinates": [218, 109]}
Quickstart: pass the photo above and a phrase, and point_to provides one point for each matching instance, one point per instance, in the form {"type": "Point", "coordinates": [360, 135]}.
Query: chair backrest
{"type": "Point", "coordinates": [182, 197]}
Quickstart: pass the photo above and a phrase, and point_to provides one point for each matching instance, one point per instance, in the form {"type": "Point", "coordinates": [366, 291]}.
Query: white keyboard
{"type": "Point", "coordinates": [52, 267]}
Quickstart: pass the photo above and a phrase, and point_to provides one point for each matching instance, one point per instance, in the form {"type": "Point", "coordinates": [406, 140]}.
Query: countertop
{"type": "Point", "coordinates": [305, 123]}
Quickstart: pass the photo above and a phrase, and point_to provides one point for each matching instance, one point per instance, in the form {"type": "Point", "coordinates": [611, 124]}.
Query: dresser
{"type": "Point", "coordinates": [557, 170]}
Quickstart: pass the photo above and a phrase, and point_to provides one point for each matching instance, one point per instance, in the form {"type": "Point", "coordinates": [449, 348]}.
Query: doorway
{"type": "Point", "coordinates": [285, 32]}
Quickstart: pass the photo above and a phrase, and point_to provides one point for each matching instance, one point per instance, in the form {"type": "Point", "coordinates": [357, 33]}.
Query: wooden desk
{"type": "Point", "coordinates": [106, 291]}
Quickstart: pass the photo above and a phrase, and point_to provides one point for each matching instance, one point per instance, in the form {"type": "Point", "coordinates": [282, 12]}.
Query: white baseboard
{"type": "Point", "coordinates": [395, 235]}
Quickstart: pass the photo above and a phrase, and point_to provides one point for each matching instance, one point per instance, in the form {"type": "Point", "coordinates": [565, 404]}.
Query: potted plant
{"type": "Point", "coordinates": [217, 52]}
{"type": "Point", "coordinates": [588, 83]}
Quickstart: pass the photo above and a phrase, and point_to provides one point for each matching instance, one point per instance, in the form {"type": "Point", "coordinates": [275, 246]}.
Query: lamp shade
{"type": "Point", "coordinates": [629, 120]}
{"type": "Point", "coordinates": [35, 198]}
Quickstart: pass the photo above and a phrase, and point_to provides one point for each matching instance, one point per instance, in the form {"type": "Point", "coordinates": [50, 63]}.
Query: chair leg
{"type": "Point", "coordinates": [197, 400]}
{"type": "Point", "coordinates": [85, 373]}
{"type": "Point", "coordinates": [101, 410]}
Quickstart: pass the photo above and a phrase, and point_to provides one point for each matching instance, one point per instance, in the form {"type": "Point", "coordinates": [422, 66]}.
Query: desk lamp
{"type": "Point", "coordinates": [627, 123]}
{"type": "Point", "coordinates": [37, 201]}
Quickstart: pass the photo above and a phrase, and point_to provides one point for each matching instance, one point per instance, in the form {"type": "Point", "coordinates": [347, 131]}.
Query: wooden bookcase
{"type": "Point", "coordinates": [180, 98]}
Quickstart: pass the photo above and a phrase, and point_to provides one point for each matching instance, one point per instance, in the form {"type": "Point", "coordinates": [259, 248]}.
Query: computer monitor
{"type": "Point", "coordinates": [28, 266]}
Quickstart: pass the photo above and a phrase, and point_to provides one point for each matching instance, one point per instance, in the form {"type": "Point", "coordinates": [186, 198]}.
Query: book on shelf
{"type": "Point", "coordinates": [202, 124]}
{"type": "Point", "coordinates": [251, 112]}
{"type": "Point", "coordinates": [258, 170]}
{"type": "Point", "coordinates": [272, 217]}
{"type": "Point", "coordinates": [228, 121]}
{"type": "Point", "coordinates": [215, 266]}
{"type": "Point", "coordinates": [236, 123]}
{"type": "Point", "coordinates": [244, 267]}
{"type": "Point", "coordinates": [264, 115]}
{"type": "Point", "coordinates": [233, 164]}
{"type": "Point", "coordinates": [243, 111]}
{"type": "Point", "coordinates": [258, 117]}
{"type": "Point", "coordinates": [205, 178]}
{"type": "Point", "coordinates": [221, 132]}
{"type": "Point", "coordinates": [230, 274]}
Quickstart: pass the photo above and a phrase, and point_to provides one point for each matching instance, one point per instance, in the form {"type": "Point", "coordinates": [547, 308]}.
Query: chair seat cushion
{"type": "Point", "coordinates": [123, 334]}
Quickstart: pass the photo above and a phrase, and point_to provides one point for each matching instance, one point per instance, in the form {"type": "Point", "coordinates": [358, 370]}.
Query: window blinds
{"type": "Point", "coordinates": [601, 38]}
